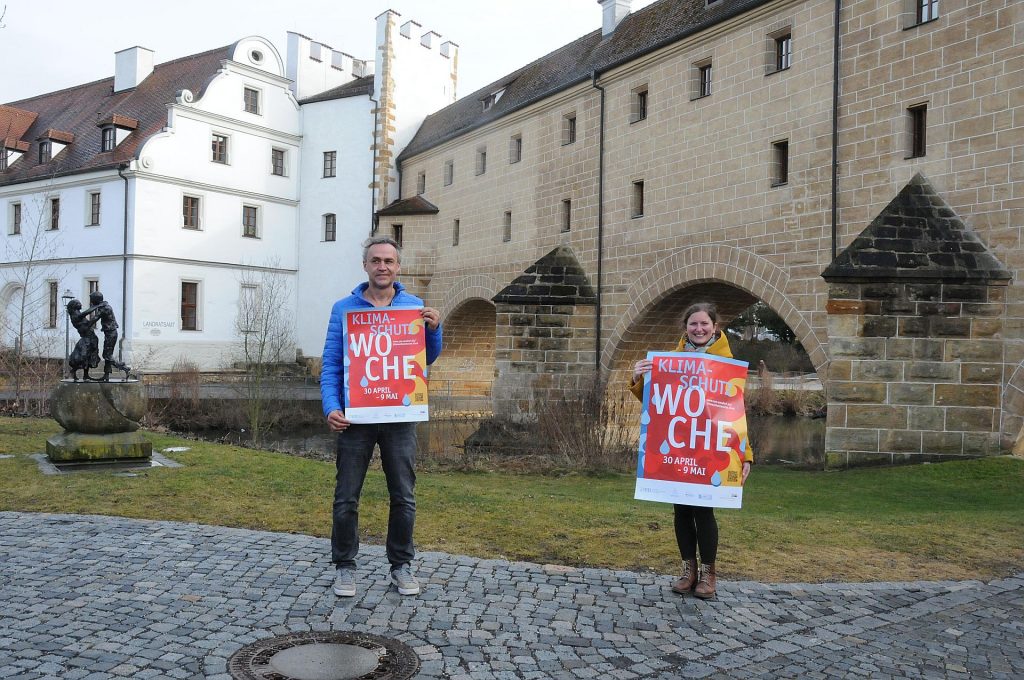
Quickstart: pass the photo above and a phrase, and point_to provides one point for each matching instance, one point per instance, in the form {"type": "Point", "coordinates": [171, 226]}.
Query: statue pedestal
{"type": "Point", "coordinates": [72, 447]}
{"type": "Point", "coordinates": [100, 420]}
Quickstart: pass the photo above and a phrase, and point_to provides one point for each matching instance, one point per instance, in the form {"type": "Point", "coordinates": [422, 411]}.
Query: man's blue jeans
{"type": "Point", "coordinates": [397, 443]}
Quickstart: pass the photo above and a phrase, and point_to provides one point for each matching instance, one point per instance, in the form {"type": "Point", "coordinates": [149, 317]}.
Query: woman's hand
{"type": "Point", "coordinates": [641, 367]}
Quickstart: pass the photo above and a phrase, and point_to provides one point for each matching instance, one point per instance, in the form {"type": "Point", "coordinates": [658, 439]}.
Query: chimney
{"type": "Point", "coordinates": [131, 66]}
{"type": "Point", "coordinates": [613, 12]}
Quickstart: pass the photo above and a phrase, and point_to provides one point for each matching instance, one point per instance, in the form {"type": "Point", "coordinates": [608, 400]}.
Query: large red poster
{"type": "Point", "coordinates": [693, 430]}
{"type": "Point", "coordinates": [385, 365]}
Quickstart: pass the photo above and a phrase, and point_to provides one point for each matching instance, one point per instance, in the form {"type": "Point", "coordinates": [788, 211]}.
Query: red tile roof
{"type": "Point", "coordinates": [78, 110]}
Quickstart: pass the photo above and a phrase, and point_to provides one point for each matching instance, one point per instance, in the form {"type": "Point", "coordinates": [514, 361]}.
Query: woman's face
{"type": "Point", "coordinates": [700, 328]}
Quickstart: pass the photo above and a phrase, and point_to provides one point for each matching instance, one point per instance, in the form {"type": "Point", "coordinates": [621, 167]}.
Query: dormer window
{"type": "Point", "coordinates": [108, 139]}
{"type": "Point", "coordinates": [492, 99]}
{"type": "Point", "coordinates": [114, 129]}
{"type": "Point", "coordinates": [52, 142]}
{"type": "Point", "coordinates": [3, 159]}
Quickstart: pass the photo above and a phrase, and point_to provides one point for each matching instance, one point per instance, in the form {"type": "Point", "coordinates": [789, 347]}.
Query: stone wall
{"type": "Point", "coordinates": [916, 371]}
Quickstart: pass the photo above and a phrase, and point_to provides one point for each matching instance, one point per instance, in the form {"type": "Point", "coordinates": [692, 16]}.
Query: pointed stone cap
{"type": "Point", "coordinates": [917, 237]}
{"type": "Point", "coordinates": [415, 205]}
{"type": "Point", "coordinates": [555, 279]}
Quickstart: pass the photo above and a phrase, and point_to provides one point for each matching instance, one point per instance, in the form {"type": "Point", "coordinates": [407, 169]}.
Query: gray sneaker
{"type": "Point", "coordinates": [406, 582]}
{"type": "Point", "coordinates": [345, 582]}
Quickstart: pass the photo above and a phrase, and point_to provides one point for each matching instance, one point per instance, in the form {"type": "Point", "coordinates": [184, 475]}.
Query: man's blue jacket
{"type": "Point", "coordinates": [332, 372]}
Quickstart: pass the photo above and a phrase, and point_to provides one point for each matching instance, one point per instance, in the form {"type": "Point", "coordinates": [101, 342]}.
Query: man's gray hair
{"type": "Point", "coordinates": [381, 240]}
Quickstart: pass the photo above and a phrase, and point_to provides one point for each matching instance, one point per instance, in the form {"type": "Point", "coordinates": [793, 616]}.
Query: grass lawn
{"type": "Point", "coordinates": [941, 521]}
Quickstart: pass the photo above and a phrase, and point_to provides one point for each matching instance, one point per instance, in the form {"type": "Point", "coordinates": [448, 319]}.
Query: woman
{"type": "Point", "coordinates": [695, 525]}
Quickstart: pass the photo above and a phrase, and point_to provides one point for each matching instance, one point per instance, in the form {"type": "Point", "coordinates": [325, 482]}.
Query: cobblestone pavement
{"type": "Point", "coordinates": [106, 597]}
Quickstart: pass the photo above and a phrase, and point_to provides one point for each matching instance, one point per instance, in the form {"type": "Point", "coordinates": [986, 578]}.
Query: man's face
{"type": "Point", "coordinates": [381, 266]}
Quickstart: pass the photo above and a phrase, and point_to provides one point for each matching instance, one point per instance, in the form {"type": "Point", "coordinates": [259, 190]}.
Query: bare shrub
{"type": "Point", "coordinates": [587, 429]}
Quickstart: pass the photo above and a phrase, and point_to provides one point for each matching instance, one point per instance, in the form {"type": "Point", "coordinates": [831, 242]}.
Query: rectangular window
{"type": "Point", "coordinates": [277, 162]}
{"type": "Point", "coordinates": [421, 183]}
{"type": "Point", "coordinates": [918, 116]}
{"type": "Point", "coordinates": [251, 97]}
{"type": "Point", "coordinates": [250, 217]}
{"type": "Point", "coordinates": [569, 129]}
{"type": "Point", "coordinates": [330, 163]}
{"type": "Point", "coordinates": [219, 148]}
{"type": "Point", "coordinates": [703, 77]}
{"type": "Point", "coordinates": [396, 233]}
{"type": "Point", "coordinates": [783, 52]}
{"type": "Point", "coordinates": [455, 232]}
{"type": "Point", "coordinates": [506, 232]}
{"type": "Point", "coordinates": [248, 308]}
{"type": "Point", "coordinates": [190, 212]}
{"type": "Point", "coordinates": [92, 286]}
{"type": "Point", "coordinates": [3, 158]}
{"type": "Point", "coordinates": [449, 173]}
{"type": "Point", "coordinates": [54, 214]}
{"type": "Point", "coordinates": [515, 149]}
{"type": "Point", "coordinates": [94, 208]}
{"type": "Point", "coordinates": [15, 218]}
{"type": "Point", "coordinates": [780, 163]}
{"type": "Point", "coordinates": [189, 306]}
{"type": "Point", "coordinates": [638, 105]}
{"type": "Point", "coordinates": [637, 205]}
{"type": "Point", "coordinates": [566, 215]}
{"type": "Point", "coordinates": [51, 320]}
{"type": "Point", "coordinates": [927, 10]}
{"type": "Point", "coordinates": [330, 227]}
{"type": "Point", "coordinates": [108, 138]}
{"type": "Point", "coordinates": [481, 160]}
{"type": "Point", "coordinates": [44, 151]}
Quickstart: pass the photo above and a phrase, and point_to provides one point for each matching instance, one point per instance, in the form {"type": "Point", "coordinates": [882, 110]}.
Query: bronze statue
{"type": "Point", "coordinates": [86, 354]}
{"type": "Point", "coordinates": [102, 311]}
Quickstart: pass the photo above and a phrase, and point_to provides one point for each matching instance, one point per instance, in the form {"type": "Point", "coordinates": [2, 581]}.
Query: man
{"type": "Point", "coordinates": [382, 262]}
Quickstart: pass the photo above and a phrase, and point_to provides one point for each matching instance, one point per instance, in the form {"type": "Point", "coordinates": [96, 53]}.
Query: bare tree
{"type": "Point", "coordinates": [3, 13]}
{"type": "Point", "coordinates": [29, 301]}
{"type": "Point", "coordinates": [265, 343]}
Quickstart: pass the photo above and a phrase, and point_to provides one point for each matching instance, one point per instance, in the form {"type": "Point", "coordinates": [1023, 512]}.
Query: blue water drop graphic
{"type": "Point", "coordinates": [406, 400]}
{"type": "Point", "coordinates": [645, 419]}
{"type": "Point", "coordinates": [643, 440]}
{"type": "Point", "coordinates": [364, 382]}
{"type": "Point", "coordinates": [716, 479]}
{"type": "Point", "coordinates": [743, 446]}
{"type": "Point", "coordinates": [426, 371]}
{"type": "Point", "coordinates": [346, 362]}
{"type": "Point", "coordinates": [665, 448]}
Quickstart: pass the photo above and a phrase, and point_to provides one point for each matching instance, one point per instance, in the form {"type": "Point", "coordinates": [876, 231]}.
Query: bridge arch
{"type": "Point", "coordinates": [731, 277]}
{"type": "Point", "coordinates": [465, 370]}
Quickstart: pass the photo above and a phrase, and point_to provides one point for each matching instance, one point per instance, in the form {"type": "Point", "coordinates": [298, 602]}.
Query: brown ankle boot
{"type": "Point", "coordinates": [688, 579]}
{"type": "Point", "coordinates": [706, 585]}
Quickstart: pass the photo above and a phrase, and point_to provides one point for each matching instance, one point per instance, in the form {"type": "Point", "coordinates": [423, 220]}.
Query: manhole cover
{"type": "Point", "coordinates": [332, 655]}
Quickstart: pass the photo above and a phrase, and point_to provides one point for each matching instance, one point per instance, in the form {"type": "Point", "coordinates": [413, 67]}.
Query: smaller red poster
{"type": "Point", "coordinates": [693, 430]}
{"type": "Point", "coordinates": [385, 365]}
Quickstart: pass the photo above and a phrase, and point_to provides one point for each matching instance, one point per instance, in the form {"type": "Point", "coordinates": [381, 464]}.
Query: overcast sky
{"type": "Point", "coordinates": [47, 45]}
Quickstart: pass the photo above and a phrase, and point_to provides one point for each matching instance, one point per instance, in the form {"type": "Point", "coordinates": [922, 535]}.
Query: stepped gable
{"type": "Point", "coordinates": [917, 237]}
{"type": "Point", "coordinates": [639, 33]}
{"type": "Point", "coordinates": [555, 279]}
{"type": "Point", "coordinates": [79, 109]}
{"type": "Point", "coordinates": [415, 205]}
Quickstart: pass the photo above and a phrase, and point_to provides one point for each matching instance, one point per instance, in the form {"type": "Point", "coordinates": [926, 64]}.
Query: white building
{"type": "Point", "coordinates": [176, 189]}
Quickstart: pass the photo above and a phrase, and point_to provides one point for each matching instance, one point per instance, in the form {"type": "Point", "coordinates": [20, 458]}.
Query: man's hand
{"type": "Point", "coordinates": [432, 317]}
{"type": "Point", "coordinates": [336, 421]}
{"type": "Point", "coordinates": [746, 471]}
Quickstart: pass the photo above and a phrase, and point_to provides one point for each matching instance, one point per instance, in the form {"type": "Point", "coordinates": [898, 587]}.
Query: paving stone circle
{"type": "Point", "coordinates": [329, 655]}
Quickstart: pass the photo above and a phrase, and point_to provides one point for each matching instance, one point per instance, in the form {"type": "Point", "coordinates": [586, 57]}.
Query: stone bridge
{"type": "Point", "coordinates": [907, 328]}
